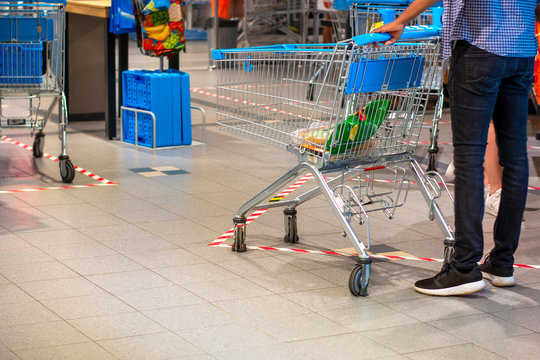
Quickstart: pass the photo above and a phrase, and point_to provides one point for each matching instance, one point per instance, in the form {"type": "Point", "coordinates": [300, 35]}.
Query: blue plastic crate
{"type": "Point", "coordinates": [21, 63]}
{"type": "Point", "coordinates": [20, 29]}
{"type": "Point", "coordinates": [166, 95]}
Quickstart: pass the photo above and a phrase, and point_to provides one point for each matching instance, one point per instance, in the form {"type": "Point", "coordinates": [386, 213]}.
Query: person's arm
{"type": "Point", "coordinates": [396, 27]}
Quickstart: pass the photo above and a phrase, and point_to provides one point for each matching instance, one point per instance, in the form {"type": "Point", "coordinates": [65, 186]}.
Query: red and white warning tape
{"type": "Point", "coordinates": [264, 106]}
{"type": "Point", "coordinates": [258, 213]}
{"type": "Point", "coordinates": [219, 242]}
{"type": "Point", "coordinates": [373, 256]}
{"type": "Point", "coordinates": [103, 181]}
{"type": "Point", "coordinates": [54, 188]}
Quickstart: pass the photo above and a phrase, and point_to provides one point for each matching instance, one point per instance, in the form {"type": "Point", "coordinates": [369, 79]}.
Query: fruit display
{"type": "Point", "coordinates": [160, 26]}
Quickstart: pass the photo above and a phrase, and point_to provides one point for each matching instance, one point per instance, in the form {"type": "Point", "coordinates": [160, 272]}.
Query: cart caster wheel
{"type": "Point", "coordinates": [291, 228]}
{"type": "Point", "coordinates": [239, 244]}
{"type": "Point", "coordinates": [432, 162]}
{"type": "Point", "coordinates": [37, 147]}
{"type": "Point", "coordinates": [359, 279]}
{"type": "Point", "coordinates": [239, 248]}
{"type": "Point", "coordinates": [67, 170]}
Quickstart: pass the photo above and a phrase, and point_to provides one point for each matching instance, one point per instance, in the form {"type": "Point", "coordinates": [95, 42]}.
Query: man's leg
{"type": "Point", "coordinates": [473, 85]}
{"type": "Point", "coordinates": [510, 121]}
{"type": "Point", "coordinates": [473, 89]}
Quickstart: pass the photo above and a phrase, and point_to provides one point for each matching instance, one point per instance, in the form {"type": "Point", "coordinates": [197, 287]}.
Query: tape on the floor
{"type": "Point", "coordinates": [103, 181]}
{"type": "Point", "coordinates": [219, 242]}
{"type": "Point", "coordinates": [373, 256]}
{"type": "Point", "coordinates": [258, 213]}
{"type": "Point", "coordinates": [54, 188]}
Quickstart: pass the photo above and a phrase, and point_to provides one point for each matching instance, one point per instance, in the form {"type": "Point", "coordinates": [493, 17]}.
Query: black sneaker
{"type": "Point", "coordinates": [499, 276]}
{"type": "Point", "coordinates": [450, 281]}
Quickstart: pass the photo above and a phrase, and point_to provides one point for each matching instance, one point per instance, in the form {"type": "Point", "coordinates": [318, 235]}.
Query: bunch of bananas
{"type": "Point", "coordinates": [158, 32]}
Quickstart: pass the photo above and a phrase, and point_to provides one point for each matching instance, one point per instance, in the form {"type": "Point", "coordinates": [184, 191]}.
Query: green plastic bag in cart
{"type": "Point", "coordinates": [160, 26]}
{"type": "Point", "coordinates": [358, 127]}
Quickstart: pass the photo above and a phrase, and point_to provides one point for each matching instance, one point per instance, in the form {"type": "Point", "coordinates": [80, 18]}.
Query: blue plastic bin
{"type": "Point", "coordinates": [21, 63]}
{"type": "Point", "coordinates": [166, 95]}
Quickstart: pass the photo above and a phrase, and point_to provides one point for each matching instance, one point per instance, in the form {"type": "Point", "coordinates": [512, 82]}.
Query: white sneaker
{"type": "Point", "coordinates": [449, 174]}
{"type": "Point", "coordinates": [492, 203]}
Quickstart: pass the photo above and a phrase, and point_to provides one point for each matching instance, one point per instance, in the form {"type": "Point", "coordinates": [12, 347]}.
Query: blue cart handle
{"type": "Point", "coordinates": [411, 32]}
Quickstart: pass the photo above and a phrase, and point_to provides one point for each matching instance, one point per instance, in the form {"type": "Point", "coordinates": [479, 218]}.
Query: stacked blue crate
{"type": "Point", "coordinates": [21, 63]}
{"type": "Point", "coordinates": [163, 94]}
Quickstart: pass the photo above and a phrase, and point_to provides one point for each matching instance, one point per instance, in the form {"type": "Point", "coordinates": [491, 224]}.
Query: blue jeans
{"type": "Point", "coordinates": [482, 87]}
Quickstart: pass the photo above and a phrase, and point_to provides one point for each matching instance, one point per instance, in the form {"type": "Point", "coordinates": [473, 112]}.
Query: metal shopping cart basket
{"type": "Point", "coordinates": [367, 15]}
{"type": "Point", "coordinates": [32, 71]}
{"type": "Point", "coordinates": [352, 110]}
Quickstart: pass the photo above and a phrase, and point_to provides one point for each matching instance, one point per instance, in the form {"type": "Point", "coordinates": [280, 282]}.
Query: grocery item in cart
{"type": "Point", "coordinates": [350, 135]}
{"type": "Point", "coordinates": [160, 26]}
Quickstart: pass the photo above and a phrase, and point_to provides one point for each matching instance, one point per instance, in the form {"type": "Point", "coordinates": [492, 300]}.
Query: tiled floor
{"type": "Point", "coordinates": [125, 271]}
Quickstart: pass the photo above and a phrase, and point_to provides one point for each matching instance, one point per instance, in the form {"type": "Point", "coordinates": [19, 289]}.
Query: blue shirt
{"type": "Point", "coordinates": [501, 27]}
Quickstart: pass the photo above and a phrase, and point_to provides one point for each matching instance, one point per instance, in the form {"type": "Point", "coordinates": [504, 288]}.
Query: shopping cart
{"type": "Point", "coordinates": [350, 110]}
{"type": "Point", "coordinates": [367, 15]}
{"type": "Point", "coordinates": [32, 72]}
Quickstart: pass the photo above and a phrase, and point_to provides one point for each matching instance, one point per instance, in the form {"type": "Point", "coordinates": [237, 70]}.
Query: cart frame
{"type": "Point", "coordinates": [279, 95]}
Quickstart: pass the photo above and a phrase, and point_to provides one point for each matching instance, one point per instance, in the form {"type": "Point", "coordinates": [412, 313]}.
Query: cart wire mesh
{"type": "Point", "coordinates": [329, 103]}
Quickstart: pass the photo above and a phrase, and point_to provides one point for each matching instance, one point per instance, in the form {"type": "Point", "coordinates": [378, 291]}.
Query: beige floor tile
{"type": "Point", "coordinates": [154, 346]}
{"type": "Point", "coordinates": [160, 297]}
{"type": "Point", "coordinates": [299, 327]}
{"type": "Point", "coordinates": [129, 280]}
{"type": "Point", "coordinates": [480, 327]}
{"type": "Point", "coordinates": [31, 336]}
{"type": "Point", "coordinates": [260, 307]}
{"type": "Point", "coordinates": [165, 258]}
{"type": "Point", "coordinates": [87, 306]}
{"type": "Point", "coordinates": [346, 346]}
{"type": "Point", "coordinates": [116, 326]}
{"type": "Point", "coordinates": [60, 288]}
{"type": "Point", "coordinates": [191, 316]}
{"type": "Point", "coordinates": [413, 338]}
{"type": "Point", "coordinates": [25, 313]}
{"type": "Point", "coordinates": [102, 265]}
{"type": "Point", "coordinates": [514, 347]}
{"type": "Point", "coordinates": [23, 255]}
{"type": "Point", "coordinates": [226, 289]}
{"type": "Point", "coordinates": [79, 250]}
{"type": "Point", "coordinates": [369, 316]}
{"type": "Point", "coordinates": [84, 351]}
{"type": "Point", "coordinates": [36, 271]}
{"type": "Point", "coordinates": [463, 351]}
{"type": "Point", "coordinates": [227, 337]}
{"type": "Point", "coordinates": [194, 273]}
{"type": "Point", "coordinates": [57, 237]}
{"type": "Point", "coordinates": [10, 293]}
